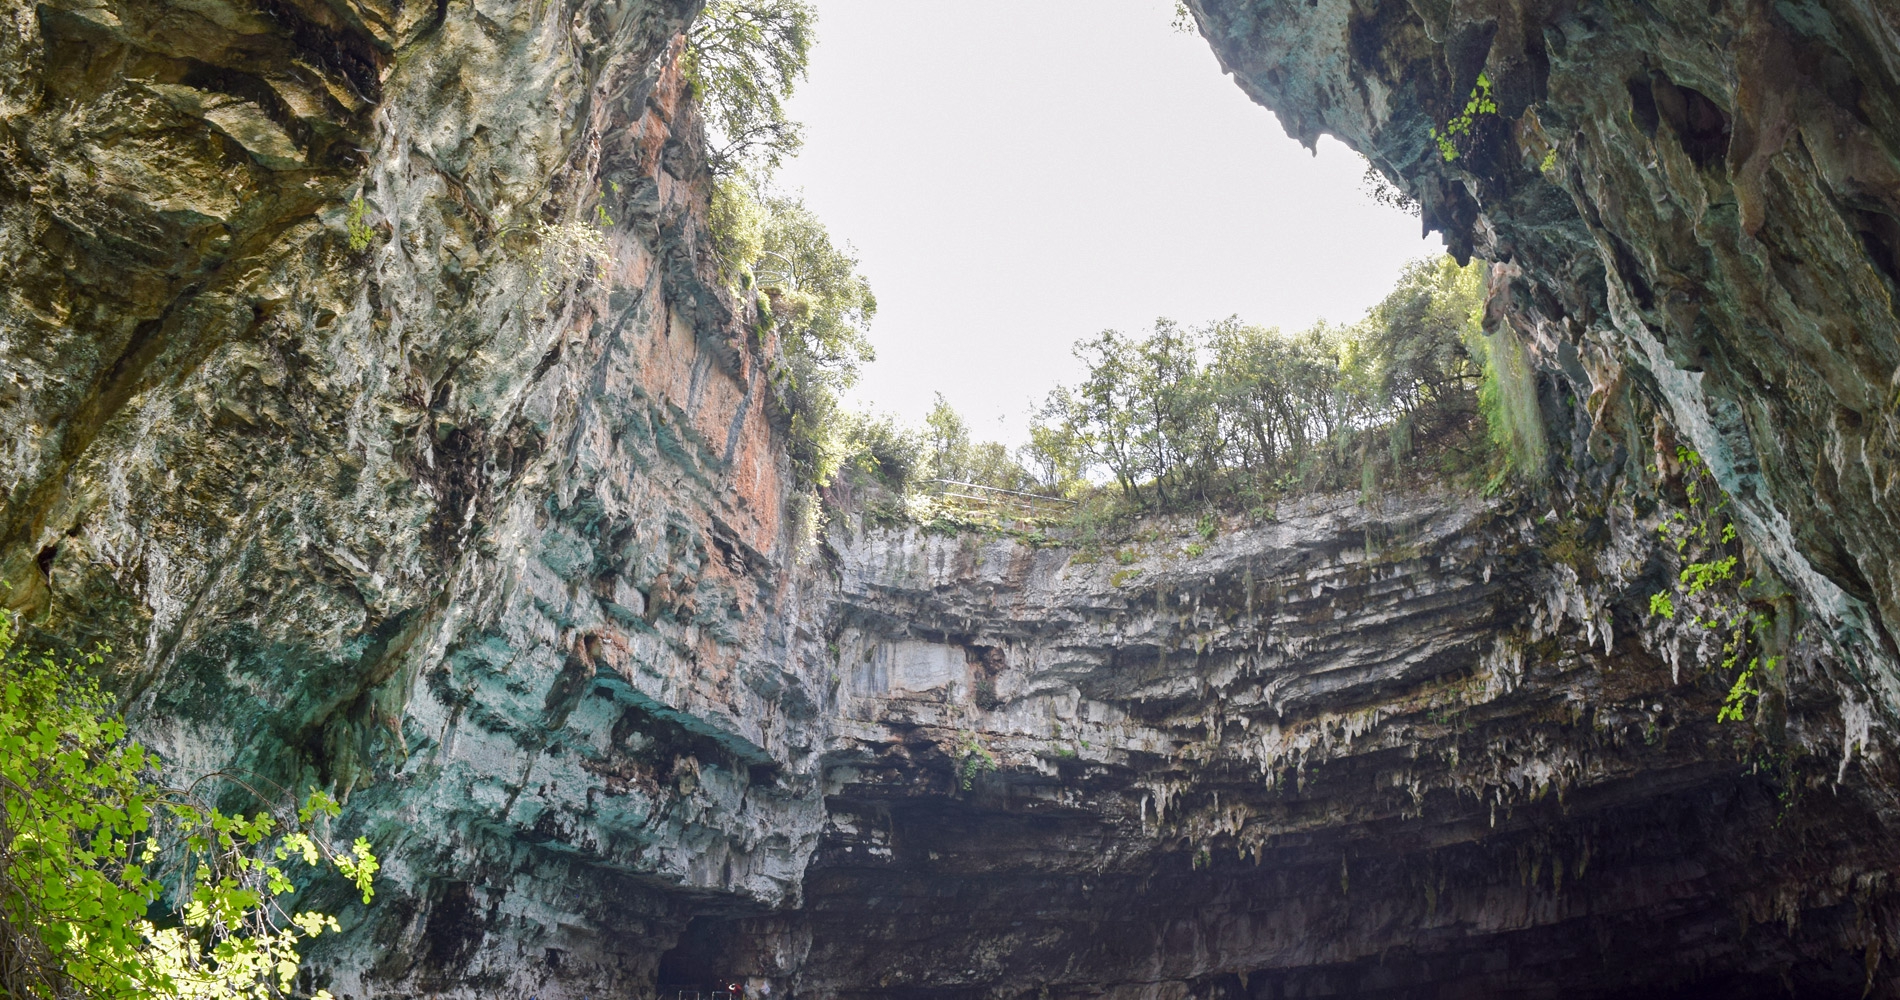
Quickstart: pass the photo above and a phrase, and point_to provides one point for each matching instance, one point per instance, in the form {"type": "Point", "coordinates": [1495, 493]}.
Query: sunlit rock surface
{"type": "Point", "coordinates": [375, 492]}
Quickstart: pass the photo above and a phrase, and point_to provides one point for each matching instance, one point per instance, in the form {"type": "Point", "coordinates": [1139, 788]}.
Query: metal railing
{"type": "Point", "coordinates": [691, 993]}
{"type": "Point", "coordinates": [993, 496]}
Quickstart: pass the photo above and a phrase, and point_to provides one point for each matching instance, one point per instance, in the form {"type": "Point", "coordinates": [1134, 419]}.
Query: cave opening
{"type": "Point", "coordinates": [1230, 215]}
{"type": "Point", "coordinates": [699, 966]}
{"type": "Point", "coordinates": [1279, 693]}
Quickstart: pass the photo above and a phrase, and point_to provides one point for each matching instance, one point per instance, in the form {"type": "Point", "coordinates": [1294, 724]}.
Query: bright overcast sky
{"type": "Point", "coordinates": [1019, 174]}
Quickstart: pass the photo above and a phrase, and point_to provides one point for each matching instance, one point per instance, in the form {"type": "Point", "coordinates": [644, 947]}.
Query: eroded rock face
{"type": "Point", "coordinates": [392, 500]}
{"type": "Point", "coordinates": [1696, 201]}
{"type": "Point", "coordinates": [388, 497]}
{"type": "Point", "coordinates": [1387, 749]}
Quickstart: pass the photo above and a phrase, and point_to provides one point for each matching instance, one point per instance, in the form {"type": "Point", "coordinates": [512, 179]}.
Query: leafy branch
{"type": "Point", "coordinates": [973, 761]}
{"type": "Point", "coordinates": [1480, 103]}
{"type": "Point", "coordinates": [743, 59]}
{"type": "Point", "coordinates": [91, 843]}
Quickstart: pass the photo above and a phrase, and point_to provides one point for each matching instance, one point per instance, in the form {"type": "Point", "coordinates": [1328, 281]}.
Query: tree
{"type": "Point", "coordinates": [1173, 408]}
{"type": "Point", "coordinates": [1106, 405]}
{"type": "Point", "coordinates": [1418, 333]}
{"type": "Point", "coordinates": [822, 308]}
{"type": "Point", "coordinates": [91, 844]}
{"type": "Point", "coordinates": [880, 447]}
{"type": "Point", "coordinates": [744, 58]}
{"type": "Point", "coordinates": [810, 291]}
{"type": "Point", "coordinates": [1057, 454]}
{"type": "Point", "coordinates": [947, 440]}
{"type": "Point", "coordinates": [814, 289]}
{"type": "Point", "coordinates": [1182, 417]}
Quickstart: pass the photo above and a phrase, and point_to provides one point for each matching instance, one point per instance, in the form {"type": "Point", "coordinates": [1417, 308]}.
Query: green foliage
{"type": "Point", "coordinates": [1184, 418]}
{"type": "Point", "coordinates": [882, 449]}
{"type": "Point", "coordinates": [1508, 400]}
{"type": "Point", "coordinates": [1056, 456]}
{"type": "Point", "coordinates": [356, 224]}
{"type": "Point", "coordinates": [973, 760]}
{"type": "Point", "coordinates": [1480, 103]}
{"type": "Point", "coordinates": [569, 251]}
{"type": "Point", "coordinates": [1383, 192]}
{"type": "Point", "coordinates": [1705, 537]}
{"type": "Point", "coordinates": [1735, 704]}
{"type": "Point", "coordinates": [1700, 576]}
{"type": "Point", "coordinates": [1183, 21]}
{"type": "Point", "coordinates": [736, 220]}
{"type": "Point", "coordinates": [1418, 335]}
{"type": "Point", "coordinates": [92, 847]}
{"type": "Point", "coordinates": [824, 306]}
{"type": "Point", "coordinates": [810, 292]}
{"type": "Point", "coordinates": [743, 59]}
{"type": "Point", "coordinates": [955, 454]}
{"type": "Point", "coordinates": [930, 471]}
{"type": "Point", "coordinates": [1230, 415]}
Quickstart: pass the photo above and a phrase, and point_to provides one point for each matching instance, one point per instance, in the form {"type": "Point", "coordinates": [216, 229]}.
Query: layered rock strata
{"type": "Point", "coordinates": [368, 388]}
{"type": "Point", "coordinates": [1697, 201]}
{"type": "Point", "coordinates": [1390, 749]}
{"type": "Point", "coordinates": [369, 382]}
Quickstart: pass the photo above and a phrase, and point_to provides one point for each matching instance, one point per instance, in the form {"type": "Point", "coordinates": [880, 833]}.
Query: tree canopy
{"type": "Point", "coordinates": [744, 59]}
{"type": "Point", "coordinates": [1232, 413]}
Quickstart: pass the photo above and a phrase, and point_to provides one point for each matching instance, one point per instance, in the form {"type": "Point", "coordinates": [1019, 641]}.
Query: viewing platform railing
{"type": "Point", "coordinates": [996, 497]}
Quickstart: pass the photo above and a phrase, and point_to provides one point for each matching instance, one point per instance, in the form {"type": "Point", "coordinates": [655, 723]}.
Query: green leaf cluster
{"type": "Point", "coordinates": [1704, 536]}
{"type": "Point", "coordinates": [811, 297]}
{"type": "Point", "coordinates": [974, 760]}
{"type": "Point", "coordinates": [93, 849]}
{"type": "Point", "coordinates": [1480, 103]}
{"type": "Point", "coordinates": [356, 225]}
{"type": "Point", "coordinates": [743, 59]}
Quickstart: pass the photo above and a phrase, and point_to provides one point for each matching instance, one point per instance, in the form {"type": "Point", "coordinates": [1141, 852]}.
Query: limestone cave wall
{"type": "Point", "coordinates": [376, 488]}
{"type": "Point", "coordinates": [1419, 746]}
{"type": "Point", "coordinates": [1697, 202]}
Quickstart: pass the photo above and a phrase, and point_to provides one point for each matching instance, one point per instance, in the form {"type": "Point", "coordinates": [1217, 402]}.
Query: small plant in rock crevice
{"type": "Point", "coordinates": [356, 225]}
{"type": "Point", "coordinates": [1705, 537]}
{"type": "Point", "coordinates": [1480, 103]}
{"type": "Point", "coordinates": [568, 251]}
{"type": "Point", "coordinates": [973, 761]}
